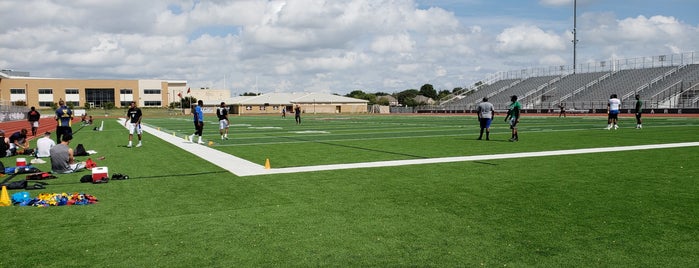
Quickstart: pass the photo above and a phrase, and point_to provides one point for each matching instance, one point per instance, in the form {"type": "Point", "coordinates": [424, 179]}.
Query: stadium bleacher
{"type": "Point", "coordinates": [664, 83]}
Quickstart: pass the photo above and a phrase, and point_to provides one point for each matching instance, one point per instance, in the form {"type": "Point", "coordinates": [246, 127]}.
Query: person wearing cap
{"type": "Point", "coordinates": [62, 160]}
{"type": "Point", "coordinates": [485, 111]}
{"type": "Point", "coordinates": [222, 113]}
{"type": "Point", "coordinates": [44, 145]}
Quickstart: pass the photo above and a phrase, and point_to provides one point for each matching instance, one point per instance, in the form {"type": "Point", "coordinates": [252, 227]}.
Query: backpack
{"type": "Point", "coordinates": [80, 151]}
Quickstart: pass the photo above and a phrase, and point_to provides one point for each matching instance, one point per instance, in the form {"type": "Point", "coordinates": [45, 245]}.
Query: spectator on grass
{"type": "Point", "coordinates": [62, 160]}
{"type": "Point", "coordinates": [513, 114]}
{"type": "Point", "coordinates": [33, 117]}
{"type": "Point", "coordinates": [485, 111]}
{"type": "Point", "coordinates": [64, 120]}
{"type": "Point", "coordinates": [198, 122]}
{"type": "Point", "coordinates": [19, 142]}
{"type": "Point", "coordinates": [133, 120]}
{"type": "Point", "coordinates": [44, 145]}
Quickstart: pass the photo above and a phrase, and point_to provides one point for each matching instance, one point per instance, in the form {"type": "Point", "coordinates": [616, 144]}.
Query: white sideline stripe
{"type": "Point", "coordinates": [242, 167]}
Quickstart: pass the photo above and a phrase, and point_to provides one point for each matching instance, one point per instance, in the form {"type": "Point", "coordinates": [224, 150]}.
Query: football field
{"type": "Point", "coordinates": [377, 191]}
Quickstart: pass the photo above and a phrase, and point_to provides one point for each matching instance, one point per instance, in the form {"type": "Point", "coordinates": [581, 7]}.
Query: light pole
{"type": "Point", "coordinates": [575, 33]}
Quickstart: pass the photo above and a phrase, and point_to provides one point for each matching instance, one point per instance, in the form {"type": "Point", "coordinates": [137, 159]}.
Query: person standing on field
{"type": "Point", "coordinates": [198, 115]}
{"type": "Point", "coordinates": [33, 117]}
{"type": "Point", "coordinates": [297, 114]}
{"type": "Point", "coordinates": [613, 112]}
{"type": "Point", "coordinates": [64, 120]}
{"type": "Point", "coordinates": [485, 111]}
{"type": "Point", "coordinates": [638, 111]}
{"type": "Point", "coordinates": [513, 114]}
{"type": "Point", "coordinates": [133, 120]}
{"type": "Point", "coordinates": [223, 123]}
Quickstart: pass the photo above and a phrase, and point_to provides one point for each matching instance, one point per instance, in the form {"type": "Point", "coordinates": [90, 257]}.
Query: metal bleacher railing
{"type": "Point", "coordinates": [665, 81]}
{"type": "Point", "coordinates": [10, 112]}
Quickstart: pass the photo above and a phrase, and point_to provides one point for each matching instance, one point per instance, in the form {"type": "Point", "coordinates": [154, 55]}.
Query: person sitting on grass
{"type": "Point", "coordinates": [44, 145]}
{"type": "Point", "coordinates": [4, 145]}
{"type": "Point", "coordinates": [62, 160]}
{"type": "Point", "coordinates": [19, 142]}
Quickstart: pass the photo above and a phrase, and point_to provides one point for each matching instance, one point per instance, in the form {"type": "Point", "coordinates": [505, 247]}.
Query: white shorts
{"type": "Point", "coordinates": [35, 123]}
{"type": "Point", "coordinates": [135, 128]}
{"type": "Point", "coordinates": [222, 124]}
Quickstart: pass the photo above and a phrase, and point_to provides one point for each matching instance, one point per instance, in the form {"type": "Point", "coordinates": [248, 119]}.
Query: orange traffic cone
{"type": "Point", "coordinates": [5, 198]}
{"type": "Point", "coordinates": [267, 166]}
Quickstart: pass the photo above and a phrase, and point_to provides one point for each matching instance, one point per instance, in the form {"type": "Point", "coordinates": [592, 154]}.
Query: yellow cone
{"type": "Point", "coordinates": [5, 198]}
{"type": "Point", "coordinates": [267, 164]}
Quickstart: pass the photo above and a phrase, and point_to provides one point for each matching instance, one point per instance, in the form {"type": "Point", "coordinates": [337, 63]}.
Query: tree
{"type": "Point", "coordinates": [443, 94]}
{"type": "Point", "coordinates": [406, 97]}
{"type": "Point", "coordinates": [358, 94]}
{"type": "Point", "coordinates": [428, 90]}
{"type": "Point", "coordinates": [187, 101]}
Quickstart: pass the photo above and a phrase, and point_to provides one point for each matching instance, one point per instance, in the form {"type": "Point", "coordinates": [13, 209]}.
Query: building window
{"type": "Point", "coordinates": [99, 97]}
{"type": "Point", "coordinates": [248, 108]}
{"type": "Point", "coordinates": [275, 108]}
{"type": "Point", "coordinates": [124, 103]}
{"type": "Point", "coordinates": [262, 108]}
{"type": "Point", "coordinates": [45, 91]}
{"type": "Point", "coordinates": [72, 91]}
{"type": "Point", "coordinates": [151, 91]}
{"type": "Point", "coordinates": [45, 103]}
{"type": "Point", "coordinates": [152, 103]}
{"type": "Point", "coordinates": [16, 91]}
{"type": "Point", "coordinates": [126, 91]}
{"type": "Point", "coordinates": [73, 103]}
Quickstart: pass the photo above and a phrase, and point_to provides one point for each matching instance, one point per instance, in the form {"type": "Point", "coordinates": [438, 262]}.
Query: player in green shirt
{"type": "Point", "coordinates": [513, 115]}
{"type": "Point", "coordinates": [638, 110]}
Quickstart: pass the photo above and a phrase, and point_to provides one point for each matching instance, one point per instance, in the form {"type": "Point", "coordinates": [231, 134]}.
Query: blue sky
{"type": "Point", "coordinates": [331, 46]}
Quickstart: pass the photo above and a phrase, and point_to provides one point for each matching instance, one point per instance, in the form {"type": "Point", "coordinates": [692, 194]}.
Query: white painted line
{"type": "Point", "coordinates": [242, 167]}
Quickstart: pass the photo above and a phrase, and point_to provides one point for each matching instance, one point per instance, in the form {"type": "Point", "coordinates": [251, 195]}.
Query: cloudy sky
{"type": "Point", "coordinates": [332, 46]}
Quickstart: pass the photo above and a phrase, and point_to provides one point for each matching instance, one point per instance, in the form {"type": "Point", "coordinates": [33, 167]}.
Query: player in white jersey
{"type": "Point", "coordinates": [613, 112]}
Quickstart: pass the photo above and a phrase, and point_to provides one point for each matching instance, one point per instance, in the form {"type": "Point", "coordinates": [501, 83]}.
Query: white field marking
{"type": "Point", "coordinates": [242, 167]}
{"type": "Point", "coordinates": [311, 132]}
{"type": "Point", "coordinates": [265, 127]}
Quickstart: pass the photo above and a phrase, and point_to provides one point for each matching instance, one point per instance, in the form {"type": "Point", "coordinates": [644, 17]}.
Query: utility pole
{"type": "Point", "coordinates": [575, 33]}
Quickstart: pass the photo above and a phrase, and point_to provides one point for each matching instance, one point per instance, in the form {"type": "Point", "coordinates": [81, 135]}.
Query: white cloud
{"type": "Point", "coordinates": [528, 39]}
{"type": "Point", "coordinates": [327, 45]}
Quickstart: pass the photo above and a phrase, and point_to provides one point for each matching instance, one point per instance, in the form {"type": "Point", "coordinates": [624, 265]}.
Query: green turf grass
{"type": "Point", "coordinates": [629, 209]}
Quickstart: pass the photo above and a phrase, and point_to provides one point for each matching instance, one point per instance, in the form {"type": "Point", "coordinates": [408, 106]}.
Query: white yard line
{"type": "Point", "coordinates": [242, 167]}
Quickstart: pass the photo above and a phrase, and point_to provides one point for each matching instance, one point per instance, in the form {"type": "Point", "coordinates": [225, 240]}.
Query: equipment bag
{"type": "Point", "coordinates": [80, 151]}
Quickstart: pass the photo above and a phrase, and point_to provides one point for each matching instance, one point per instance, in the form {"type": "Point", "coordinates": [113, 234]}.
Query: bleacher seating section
{"type": "Point", "coordinates": [659, 87]}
